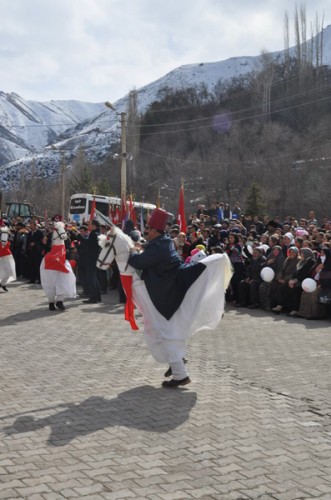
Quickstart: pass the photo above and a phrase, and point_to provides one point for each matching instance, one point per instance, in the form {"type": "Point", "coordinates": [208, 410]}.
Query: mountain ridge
{"type": "Point", "coordinates": [28, 128]}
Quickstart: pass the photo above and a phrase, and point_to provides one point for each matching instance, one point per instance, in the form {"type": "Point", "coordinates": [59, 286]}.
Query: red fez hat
{"type": "Point", "coordinates": [158, 219]}
{"type": "Point", "coordinates": [57, 218]}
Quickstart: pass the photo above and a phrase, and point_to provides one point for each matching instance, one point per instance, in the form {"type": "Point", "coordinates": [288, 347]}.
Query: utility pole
{"type": "Point", "coordinates": [63, 169]}
{"type": "Point", "coordinates": [124, 156]}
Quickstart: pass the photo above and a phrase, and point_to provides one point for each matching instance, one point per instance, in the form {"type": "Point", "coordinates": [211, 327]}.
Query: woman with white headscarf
{"type": "Point", "coordinates": [288, 241]}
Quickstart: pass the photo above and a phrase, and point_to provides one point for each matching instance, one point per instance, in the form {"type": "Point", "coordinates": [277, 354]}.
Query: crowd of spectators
{"type": "Point", "coordinates": [294, 248]}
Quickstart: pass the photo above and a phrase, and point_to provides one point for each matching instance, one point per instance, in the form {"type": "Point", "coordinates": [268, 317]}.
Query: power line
{"type": "Point", "coordinates": [235, 120]}
{"type": "Point", "coordinates": [231, 162]}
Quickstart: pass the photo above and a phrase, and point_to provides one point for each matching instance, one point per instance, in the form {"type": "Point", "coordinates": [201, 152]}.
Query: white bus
{"type": "Point", "coordinates": [81, 204]}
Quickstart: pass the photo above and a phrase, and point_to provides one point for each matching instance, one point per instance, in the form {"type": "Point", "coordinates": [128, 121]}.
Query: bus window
{"type": "Point", "coordinates": [101, 206]}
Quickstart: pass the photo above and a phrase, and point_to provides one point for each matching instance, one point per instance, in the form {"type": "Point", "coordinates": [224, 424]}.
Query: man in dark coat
{"type": "Point", "coordinates": [82, 250]}
{"type": "Point", "coordinates": [93, 250]}
{"type": "Point", "coordinates": [165, 279]}
{"type": "Point", "coordinates": [34, 246]}
{"type": "Point", "coordinates": [18, 248]}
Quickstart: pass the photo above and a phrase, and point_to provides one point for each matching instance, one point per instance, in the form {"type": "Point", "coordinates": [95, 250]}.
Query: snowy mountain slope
{"type": "Point", "coordinates": [27, 127]}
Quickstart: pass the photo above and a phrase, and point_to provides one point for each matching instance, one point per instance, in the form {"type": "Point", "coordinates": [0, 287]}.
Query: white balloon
{"type": "Point", "coordinates": [309, 285]}
{"type": "Point", "coordinates": [267, 274]}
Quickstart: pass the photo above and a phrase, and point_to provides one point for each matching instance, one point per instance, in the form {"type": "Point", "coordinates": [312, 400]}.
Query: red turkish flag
{"type": "Point", "coordinates": [181, 212]}
{"type": "Point", "coordinates": [5, 250]}
{"type": "Point", "coordinates": [129, 305]}
{"type": "Point", "coordinates": [93, 208]}
{"type": "Point", "coordinates": [55, 259]}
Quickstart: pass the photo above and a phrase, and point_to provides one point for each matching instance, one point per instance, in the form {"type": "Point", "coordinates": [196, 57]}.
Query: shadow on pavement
{"type": "Point", "coordinates": [144, 408]}
{"type": "Point", "coordinates": [33, 314]}
{"type": "Point", "coordinates": [309, 324]}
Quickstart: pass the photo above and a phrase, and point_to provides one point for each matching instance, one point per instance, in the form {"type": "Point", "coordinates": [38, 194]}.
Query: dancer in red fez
{"type": "Point", "coordinates": [167, 282]}
{"type": "Point", "coordinates": [175, 300]}
{"type": "Point", "coordinates": [57, 277]}
{"type": "Point", "coordinates": [7, 262]}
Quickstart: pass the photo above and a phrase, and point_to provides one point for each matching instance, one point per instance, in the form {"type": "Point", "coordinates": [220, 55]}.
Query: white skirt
{"type": "Point", "coordinates": [56, 283]}
{"type": "Point", "coordinates": [201, 309]}
{"type": "Point", "coordinates": [7, 270]}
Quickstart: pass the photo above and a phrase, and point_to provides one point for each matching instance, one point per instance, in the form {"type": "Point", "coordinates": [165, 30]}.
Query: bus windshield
{"type": "Point", "coordinates": [77, 205]}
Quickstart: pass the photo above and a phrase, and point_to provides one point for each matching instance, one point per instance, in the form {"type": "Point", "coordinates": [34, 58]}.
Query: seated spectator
{"type": "Point", "coordinates": [317, 304]}
{"type": "Point", "coordinates": [290, 294]}
{"type": "Point", "coordinates": [280, 285]}
{"type": "Point", "coordinates": [304, 270]}
{"type": "Point", "coordinates": [275, 260]}
{"type": "Point", "coordinates": [248, 288]}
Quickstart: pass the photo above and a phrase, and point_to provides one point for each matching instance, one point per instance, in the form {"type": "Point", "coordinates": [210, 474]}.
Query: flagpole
{"type": "Point", "coordinates": [181, 219]}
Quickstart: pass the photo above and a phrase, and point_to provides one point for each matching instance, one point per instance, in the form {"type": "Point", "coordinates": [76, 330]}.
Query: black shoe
{"type": "Point", "coordinates": [60, 305]}
{"type": "Point", "coordinates": [91, 301]}
{"type": "Point", "coordinates": [51, 306]}
{"type": "Point", "coordinates": [171, 384]}
{"type": "Point", "coordinates": [168, 373]}
{"type": "Point", "coordinates": [4, 288]}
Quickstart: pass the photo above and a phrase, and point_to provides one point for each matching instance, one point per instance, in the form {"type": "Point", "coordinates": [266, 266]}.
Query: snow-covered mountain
{"type": "Point", "coordinates": [29, 128]}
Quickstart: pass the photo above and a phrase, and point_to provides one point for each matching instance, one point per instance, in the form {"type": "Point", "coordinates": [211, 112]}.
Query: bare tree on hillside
{"type": "Point", "coordinates": [262, 83]}
{"type": "Point", "coordinates": [286, 44]}
{"type": "Point", "coordinates": [80, 176]}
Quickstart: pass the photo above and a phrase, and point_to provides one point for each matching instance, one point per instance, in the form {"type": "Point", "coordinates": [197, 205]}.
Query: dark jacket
{"type": "Point", "coordinates": [166, 279]}
{"type": "Point", "coordinates": [253, 270]}
{"type": "Point", "coordinates": [93, 248]}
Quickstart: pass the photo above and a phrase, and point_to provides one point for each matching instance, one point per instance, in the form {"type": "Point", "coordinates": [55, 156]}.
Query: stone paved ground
{"type": "Point", "coordinates": [83, 414]}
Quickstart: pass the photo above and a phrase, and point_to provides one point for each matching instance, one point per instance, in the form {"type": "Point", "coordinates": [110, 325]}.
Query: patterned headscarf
{"type": "Point", "coordinates": [307, 254]}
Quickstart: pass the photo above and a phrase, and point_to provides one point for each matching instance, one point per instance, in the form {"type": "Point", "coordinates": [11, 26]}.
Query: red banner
{"type": "Point", "coordinates": [55, 259]}
{"type": "Point", "coordinates": [129, 305]}
{"type": "Point", "coordinates": [93, 207]}
{"type": "Point", "coordinates": [181, 219]}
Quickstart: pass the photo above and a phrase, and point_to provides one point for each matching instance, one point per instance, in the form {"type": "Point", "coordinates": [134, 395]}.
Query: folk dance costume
{"type": "Point", "coordinates": [177, 313]}
{"type": "Point", "coordinates": [57, 277]}
{"type": "Point", "coordinates": [7, 262]}
{"type": "Point", "coordinates": [175, 300]}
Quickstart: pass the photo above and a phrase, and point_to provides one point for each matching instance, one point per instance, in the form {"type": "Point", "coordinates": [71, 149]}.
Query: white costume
{"type": "Point", "coordinates": [202, 307]}
{"type": "Point", "coordinates": [7, 263]}
{"type": "Point", "coordinates": [57, 277]}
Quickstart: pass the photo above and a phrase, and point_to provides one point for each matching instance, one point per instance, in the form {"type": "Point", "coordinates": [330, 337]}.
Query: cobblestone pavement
{"type": "Point", "coordinates": [83, 414]}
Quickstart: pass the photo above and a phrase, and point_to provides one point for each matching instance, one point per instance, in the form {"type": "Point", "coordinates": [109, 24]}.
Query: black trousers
{"type": "Point", "coordinates": [93, 283]}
